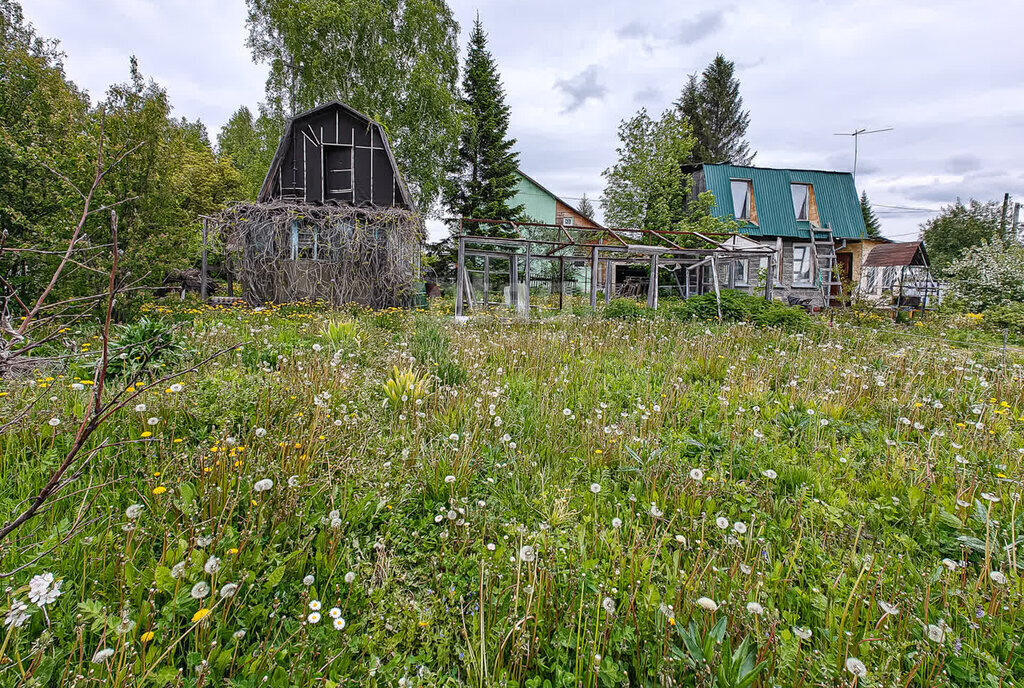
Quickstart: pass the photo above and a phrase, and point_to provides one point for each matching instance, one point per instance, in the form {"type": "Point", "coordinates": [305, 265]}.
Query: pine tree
{"type": "Point", "coordinates": [871, 222]}
{"type": "Point", "coordinates": [485, 177]}
{"type": "Point", "coordinates": [714, 108]}
{"type": "Point", "coordinates": [586, 208]}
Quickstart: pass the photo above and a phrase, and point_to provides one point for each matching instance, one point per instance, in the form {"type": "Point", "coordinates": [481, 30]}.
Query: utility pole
{"type": "Point", "coordinates": [856, 134]}
{"type": "Point", "coordinates": [1002, 219]}
{"type": "Point", "coordinates": [1016, 220]}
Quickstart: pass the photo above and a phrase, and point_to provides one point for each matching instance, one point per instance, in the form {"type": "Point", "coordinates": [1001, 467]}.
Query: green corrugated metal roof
{"type": "Point", "coordinates": [834, 192]}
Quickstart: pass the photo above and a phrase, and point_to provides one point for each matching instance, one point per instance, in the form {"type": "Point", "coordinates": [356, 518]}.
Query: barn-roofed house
{"type": "Point", "coordinates": [333, 221]}
{"type": "Point", "coordinates": [812, 219]}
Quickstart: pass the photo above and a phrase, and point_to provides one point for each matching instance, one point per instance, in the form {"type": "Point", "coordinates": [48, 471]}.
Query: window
{"type": "Point", "coordinates": [742, 268]}
{"type": "Point", "coordinates": [801, 200]}
{"type": "Point", "coordinates": [567, 220]}
{"type": "Point", "coordinates": [801, 264]}
{"type": "Point", "coordinates": [743, 199]}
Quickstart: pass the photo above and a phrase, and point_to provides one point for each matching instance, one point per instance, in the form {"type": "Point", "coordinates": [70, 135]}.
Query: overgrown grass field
{"type": "Point", "coordinates": [396, 499]}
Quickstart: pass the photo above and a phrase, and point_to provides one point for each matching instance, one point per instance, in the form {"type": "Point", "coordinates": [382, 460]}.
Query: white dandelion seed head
{"type": "Point", "coordinates": [616, 522]}
{"type": "Point", "coordinates": [722, 522]}
{"type": "Point", "coordinates": [228, 590]}
{"type": "Point", "coordinates": [770, 474]}
{"type": "Point", "coordinates": [755, 608]}
{"type": "Point", "coordinates": [856, 667]}
{"type": "Point", "coordinates": [261, 432]}
{"type": "Point", "coordinates": [595, 487]}
{"type": "Point", "coordinates": [449, 479]}
{"type": "Point", "coordinates": [153, 421]}
{"type": "Point", "coordinates": [133, 511]}
{"type": "Point", "coordinates": [200, 590]}
{"type": "Point", "coordinates": [696, 474]}
{"type": "Point", "coordinates": [527, 553]}
{"type": "Point", "coordinates": [54, 422]}
{"type": "Point", "coordinates": [740, 527]}
{"type": "Point", "coordinates": [263, 485]}
{"type": "Point", "coordinates": [212, 565]}
{"type": "Point", "coordinates": [140, 408]}
{"type": "Point", "coordinates": [609, 605]}
{"type": "Point", "coordinates": [707, 604]}
{"type": "Point", "coordinates": [102, 655]}
{"type": "Point", "coordinates": [308, 579]}
{"type": "Point", "coordinates": [802, 633]}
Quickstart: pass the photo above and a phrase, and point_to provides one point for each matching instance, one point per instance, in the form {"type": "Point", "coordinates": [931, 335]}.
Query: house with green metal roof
{"type": "Point", "coordinates": [811, 217]}
{"type": "Point", "coordinates": [541, 205]}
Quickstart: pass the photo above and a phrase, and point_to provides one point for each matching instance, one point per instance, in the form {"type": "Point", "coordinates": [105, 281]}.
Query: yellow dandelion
{"type": "Point", "coordinates": [146, 637]}
{"type": "Point", "coordinates": [159, 490]}
{"type": "Point", "coordinates": [146, 434]}
{"type": "Point", "coordinates": [200, 615]}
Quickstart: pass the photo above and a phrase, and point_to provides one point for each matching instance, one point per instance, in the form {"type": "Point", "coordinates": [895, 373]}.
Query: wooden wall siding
{"type": "Point", "coordinates": [812, 207]}
{"type": "Point", "coordinates": [562, 210]}
{"type": "Point", "coordinates": [333, 155]}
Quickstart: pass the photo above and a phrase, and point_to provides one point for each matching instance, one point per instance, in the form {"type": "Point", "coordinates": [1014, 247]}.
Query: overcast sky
{"type": "Point", "coordinates": [948, 76]}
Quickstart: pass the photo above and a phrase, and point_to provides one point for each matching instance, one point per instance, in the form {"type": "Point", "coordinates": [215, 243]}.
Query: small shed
{"type": "Point", "coordinates": [333, 221]}
{"type": "Point", "coordinates": [899, 271]}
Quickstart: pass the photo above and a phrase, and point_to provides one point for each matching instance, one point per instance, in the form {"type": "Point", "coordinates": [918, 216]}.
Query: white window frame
{"type": "Point", "coordinates": [743, 266]}
{"type": "Point", "coordinates": [809, 282]}
{"type": "Point", "coordinates": [749, 197]}
{"type": "Point", "coordinates": [567, 221]}
{"type": "Point", "coordinates": [807, 202]}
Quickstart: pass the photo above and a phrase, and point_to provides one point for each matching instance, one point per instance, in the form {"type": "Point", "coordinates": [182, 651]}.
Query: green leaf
{"type": "Point", "coordinates": [275, 577]}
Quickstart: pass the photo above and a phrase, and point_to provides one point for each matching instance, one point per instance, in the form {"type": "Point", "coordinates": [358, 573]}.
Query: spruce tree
{"type": "Point", "coordinates": [871, 222]}
{"type": "Point", "coordinates": [714, 108]}
{"type": "Point", "coordinates": [485, 178]}
{"type": "Point", "coordinates": [586, 208]}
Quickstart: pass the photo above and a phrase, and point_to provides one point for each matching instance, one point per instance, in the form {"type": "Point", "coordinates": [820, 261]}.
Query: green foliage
{"type": "Point", "coordinates": [871, 222]}
{"type": "Point", "coordinates": [586, 207]}
{"type": "Point", "coordinates": [143, 347]}
{"type": "Point", "coordinates": [714, 109]}
{"type": "Point", "coordinates": [342, 334]}
{"type": "Point", "coordinates": [624, 309]}
{"type": "Point", "coordinates": [738, 306]}
{"type": "Point", "coordinates": [431, 346]}
{"type": "Point", "coordinates": [990, 274]}
{"type": "Point", "coordinates": [395, 61]}
{"type": "Point", "coordinates": [1009, 316]}
{"type": "Point", "coordinates": [957, 228]}
{"type": "Point", "coordinates": [250, 146]}
{"type": "Point", "coordinates": [646, 188]}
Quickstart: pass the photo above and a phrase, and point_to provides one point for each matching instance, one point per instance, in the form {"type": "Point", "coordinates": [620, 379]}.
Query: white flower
{"type": "Point", "coordinates": [890, 609]}
{"type": "Point", "coordinates": [176, 387]}
{"type": "Point", "coordinates": [102, 655]}
{"type": "Point", "coordinates": [315, 605]}
{"type": "Point", "coordinates": [228, 590]}
{"type": "Point", "coordinates": [308, 580]}
{"type": "Point", "coordinates": [722, 522]}
{"type": "Point", "coordinates": [335, 613]}
{"type": "Point", "coordinates": [616, 522]}
{"type": "Point", "coordinates": [454, 437]}
{"type": "Point", "coordinates": [740, 527]}
{"type": "Point", "coordinates": [339, 624]}
{"type": "Point", "coordinates": [655, 511]}
{"type": "Point", "coordinates": [239, 634]}
{"type": "Point", "coordinates": [755, 609]}
{"type": "Point", "coordinates": [261, 432]}
{"type": "Point", "coordinates": [17, 615]}
{"type": "Point", "coordinates": [997, 577]}
{"type": "Point", "coordinates": [200, 590]}
{"type": "Point", "coordinates": [696, 474]}
{"type": "Point", "coordinates": [134, 511]}
{"type": "Point", "coordinates": [856, 667]}
{"type": "Point", "coordinates": [39, 591]}
{"type": "Point", "coordinates": [609, 605]}
{"type": "Point", "coordinates": [178, 569]}
{"type": "Point", "coordinates": [490, 546]}
{"type": "Point", "coordinates": [449, 479]}
{"type": "Point", "coordinates": [989, 497]}
{"type": "Point", "coordinates": [153, 421]}
{"type": "Point", "coordinates": [212, 565]}
{"type": "Point", "coordinates": [770, 474]}
{"type": "Point", "coordinates": [54, 422]}
{"type": "Point", "coordinates": [263, 485]}
{"type": "Point", "coordinates": [802, 633]}
{"type": "Point", "coordinates": [77, 386]}
{"type": "Point", "coordinates": [350, 577]}
{"type": "Point", "coordinates": [527, 553]}
{"type": "Point", "coordinates": [313, 618]}
{"type": "Point", "coordinates": [707, 604]}
{"type": "Point", "coordinates": [595, 488]}
{"type": "Point", "coordinates": [204, 540]}
{"type": "Point", "coordinates": [140, 408]}
{"type": "Point", "coordinates": [949, 564]}
{"type": "Point", "coordinates": [566, 412]}
{"type": "Point", "coordinates": [936, 634]}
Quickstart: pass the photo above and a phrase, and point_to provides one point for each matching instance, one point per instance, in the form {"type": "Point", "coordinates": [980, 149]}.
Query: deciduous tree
{"type": "Point", "coordinates": [957, 228]}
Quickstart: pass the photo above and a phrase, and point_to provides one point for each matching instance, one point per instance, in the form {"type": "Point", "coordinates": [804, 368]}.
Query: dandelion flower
{"type": "Point", "coordinates": [696, 474]}
{"type": "Point", "coordinates": [313, 618]}
{"type": "Point", "coordinates": [159, 490]}
{"type": "Point", "coordinates": [212, 565]}
{"type": "Point", "coordinates": [616, 522]}
{"type": "Point", "coordinates": [228, 590]}
{"type": "Point", "coordinates": [102, 655]}
{"type": "Point", "coordinates": [308, 580]}
{"type": "Point", "coordinates": [722, 522]}
{"type": "Point", "coordinates": [595, 487]}
{"type": "Point", "coordinates": [200, 590]}
{"type": "Point", "coordinates": [350, 577]}
{"type": "Point", "coordinates": [146, 637]}
{"type": "Point", "coordinates": [802, 633]}
{"type": "Point", "coordinates": [997, 577]}
{"type": "Point", "coordinates": [707, 604]}
{"type": "Point", "coordinates": [856, 667]}
{"type": "Point", "coordinates": [527, 553]}
{"type": "Point", "coordinates": [935, 633]}
{"type": "Point", "coordinates": [200, 615]}
{"type": "Point", "coordinates": [609, 605]}
{"type": "Point", "coordinates": [133, 512]}
{"type": "Point", "coordinates": [263, 485]}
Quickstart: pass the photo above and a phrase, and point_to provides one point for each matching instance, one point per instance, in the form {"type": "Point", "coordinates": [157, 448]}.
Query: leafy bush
{"type": "Point", "coordinates": [142, 346]}
{"type": "Point", "coordinates": [776, 314]}
{"type": "Point", "coordinates": [624, 309]}
{"type": "Point", "coordinates": [988, 275]}
{"type": "Point", "coordinates": [1009, 316]}
{"type": "Point", "coordinates": [738, 306]}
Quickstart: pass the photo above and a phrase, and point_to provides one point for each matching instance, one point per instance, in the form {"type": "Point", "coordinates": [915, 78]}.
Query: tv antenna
{"type": "Point", "coordinates": [856, 134]}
